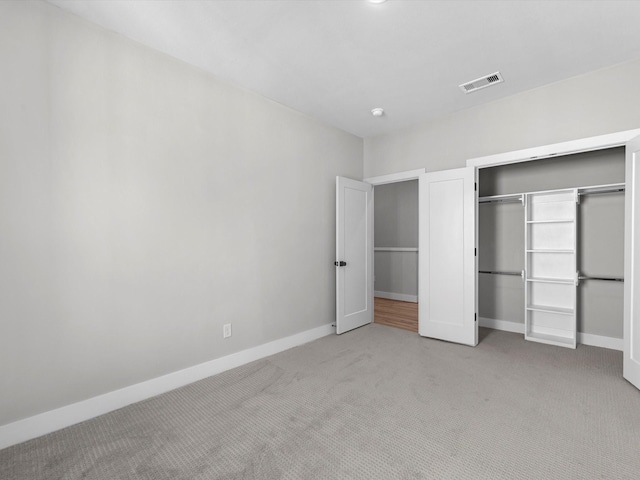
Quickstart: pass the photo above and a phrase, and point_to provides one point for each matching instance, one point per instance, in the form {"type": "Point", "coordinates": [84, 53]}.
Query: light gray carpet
{"type": "Point", "coordinates": [375, 403]}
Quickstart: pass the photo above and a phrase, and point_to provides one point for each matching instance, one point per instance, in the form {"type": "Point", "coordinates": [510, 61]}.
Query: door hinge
{"type": "Point", "coordinates": [475, 252]}
{"type": "Point", "coordinates": [475, 186]}
{"type": "Point", "coordinates": [475, 317]}
{"type": "Point", "coordinates": [340, 264]}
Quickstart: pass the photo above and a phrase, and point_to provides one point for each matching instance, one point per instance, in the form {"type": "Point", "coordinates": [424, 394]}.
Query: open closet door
{"type": "Point", "coordinates": [354, 254]}
{"type": "Point", "coordinates": [447, 298]}
{"type": "Point", "coordinates": [631, 363]}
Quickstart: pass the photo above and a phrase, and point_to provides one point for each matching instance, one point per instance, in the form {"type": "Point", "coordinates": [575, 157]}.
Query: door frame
{"type": "Point", "coordinates": [396, 178]}
{"type": "Point", "coordinates": [589, 144]}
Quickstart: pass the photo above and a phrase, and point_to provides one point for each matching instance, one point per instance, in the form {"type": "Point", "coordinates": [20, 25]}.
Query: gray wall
{"type": "Point", "coordinates": [600, 245]}
{"type": "Point", "coordinates": [143, 205]}
{"type": "Point", "coordinates": [396, 225]}
{"type": "Point", "coordinates": [596, 103]}
{"type": "Point", "coordinates": [501, 248]}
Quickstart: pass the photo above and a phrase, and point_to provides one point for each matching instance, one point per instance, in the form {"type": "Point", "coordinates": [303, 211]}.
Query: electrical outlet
{"type": "Point", "coordinates": [226, 330]}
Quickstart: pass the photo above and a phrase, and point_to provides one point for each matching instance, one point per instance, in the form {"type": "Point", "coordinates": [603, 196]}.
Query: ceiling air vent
{"type": "Point", "coordinates": [482, 82]}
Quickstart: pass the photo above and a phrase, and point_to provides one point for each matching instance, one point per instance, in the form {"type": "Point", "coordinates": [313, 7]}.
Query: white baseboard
{"type": "Point", "coordinates": [601, 341]}
{"type": "Point", "coordinates": [504, 325]}
{"type": "Point", "coordinates": [396, 296]}
{"type": "Point", "coordinates": [583, 338]}
{"type": "Point", "coordinates": [47, 422]}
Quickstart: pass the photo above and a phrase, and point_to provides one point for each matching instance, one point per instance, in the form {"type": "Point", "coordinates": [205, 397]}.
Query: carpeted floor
{"type": "Point", "coordinates": [375, 403]}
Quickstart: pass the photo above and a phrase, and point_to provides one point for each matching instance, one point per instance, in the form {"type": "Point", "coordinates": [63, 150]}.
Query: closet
{"type": "Point", "coordinates": [551, 241]}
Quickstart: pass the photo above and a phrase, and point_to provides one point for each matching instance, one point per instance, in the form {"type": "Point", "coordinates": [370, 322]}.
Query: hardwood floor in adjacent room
{"type": "Point", "coordinates": [395, 313]}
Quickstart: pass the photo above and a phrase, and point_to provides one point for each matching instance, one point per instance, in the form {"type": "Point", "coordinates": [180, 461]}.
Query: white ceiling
{"type": "Point", "coordinates": [336, 60]}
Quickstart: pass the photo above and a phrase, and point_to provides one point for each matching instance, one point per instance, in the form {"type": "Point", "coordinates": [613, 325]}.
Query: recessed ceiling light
{"type": "Point", "coordinates": [377, 112]}
{"type": "Point", "coordinates": [377, 1]}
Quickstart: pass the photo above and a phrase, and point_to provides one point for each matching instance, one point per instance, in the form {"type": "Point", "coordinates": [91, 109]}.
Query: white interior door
{"type": "Point", "coordinates": [631, 362]}
{"type": "Point", "coordinates": [354, 254]}
{"type": "Point", "coordinates": [447, 290]}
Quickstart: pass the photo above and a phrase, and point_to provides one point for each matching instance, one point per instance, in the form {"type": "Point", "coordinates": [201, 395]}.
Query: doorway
{"type": "Point", "coordinates": [355, 265]}
{"type": "Point", "coordinates": [396, 248]}
{"type": "Point", "coordinates": [396, 254]}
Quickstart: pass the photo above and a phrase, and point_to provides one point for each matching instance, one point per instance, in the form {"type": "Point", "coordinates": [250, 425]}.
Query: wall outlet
{"type": "Point", "coordinates": [226, 330]}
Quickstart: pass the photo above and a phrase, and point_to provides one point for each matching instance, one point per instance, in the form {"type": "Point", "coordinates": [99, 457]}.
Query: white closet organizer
{"type": "Point", "coordinates": [551, 267]}
{"type": "Point", "coordinates": [551, 274]}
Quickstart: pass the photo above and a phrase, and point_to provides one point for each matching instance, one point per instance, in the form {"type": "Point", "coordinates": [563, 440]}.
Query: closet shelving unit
{"type": "Point", "coordinates": [551, 267]}
{"type": "Point", "coordinates": [551, 275]}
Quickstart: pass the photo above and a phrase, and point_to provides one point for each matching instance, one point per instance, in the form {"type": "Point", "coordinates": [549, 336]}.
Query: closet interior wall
{"type": "Point", "coordinates": [396, 240]}
{"type": "Point", "coordinates": [600, 237]}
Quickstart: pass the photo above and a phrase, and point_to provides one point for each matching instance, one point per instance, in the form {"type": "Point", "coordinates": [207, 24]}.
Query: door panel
{"type": "Point", "coordinates": [355, 234]}
{"type": "Point", "coordinates": [354, 248]}
{"type": "Point", "coordinates": [447, 302]}
{"type": "Point", "coordinates": [631, 362]}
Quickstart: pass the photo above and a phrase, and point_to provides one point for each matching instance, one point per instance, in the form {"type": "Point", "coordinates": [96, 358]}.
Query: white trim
{"type": "Point", "coordinates": [47, 422]}
{"type": "Point", "coordinates": [504, 325]}
{"type": "Point", "coordinates": [583, 338]}
{"type": "Point", "coordinates": [600, 341]}
{"type": "Point", "coordinates": [403, 297]}
{"type": "Point", "coordinates": [395, 177]}
{"type": "Point", "coordinates": [599, 142]}
{"type": "Point", "coordinates": [395, 249]}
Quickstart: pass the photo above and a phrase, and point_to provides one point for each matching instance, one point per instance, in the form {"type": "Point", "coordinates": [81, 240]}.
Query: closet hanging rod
{"type": "Point", "coordinates": [501, 199]}
{"type": "Point", "coordinates": [608, 279]}
{"type": "Point", "coordinates": [492, 272]}
{"type": "Point", "coordinates": [602, 192]}
{"type": "Point", "coordinates": [581, 277]}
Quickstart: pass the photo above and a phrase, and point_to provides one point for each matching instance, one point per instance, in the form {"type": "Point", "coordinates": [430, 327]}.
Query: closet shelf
{"type": "Point", "coordinates": [548, 309]}
{"type": "Point", "coordinates": [552, 339]}
{"type": "Point", "coordinates": [550, 221]}
{"type": "Point", "coordinates": [395, 249]}
{"type": "Point", "coordinates": [551, 250]}
{"type": "Point", "coordinates": [563, 281]}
